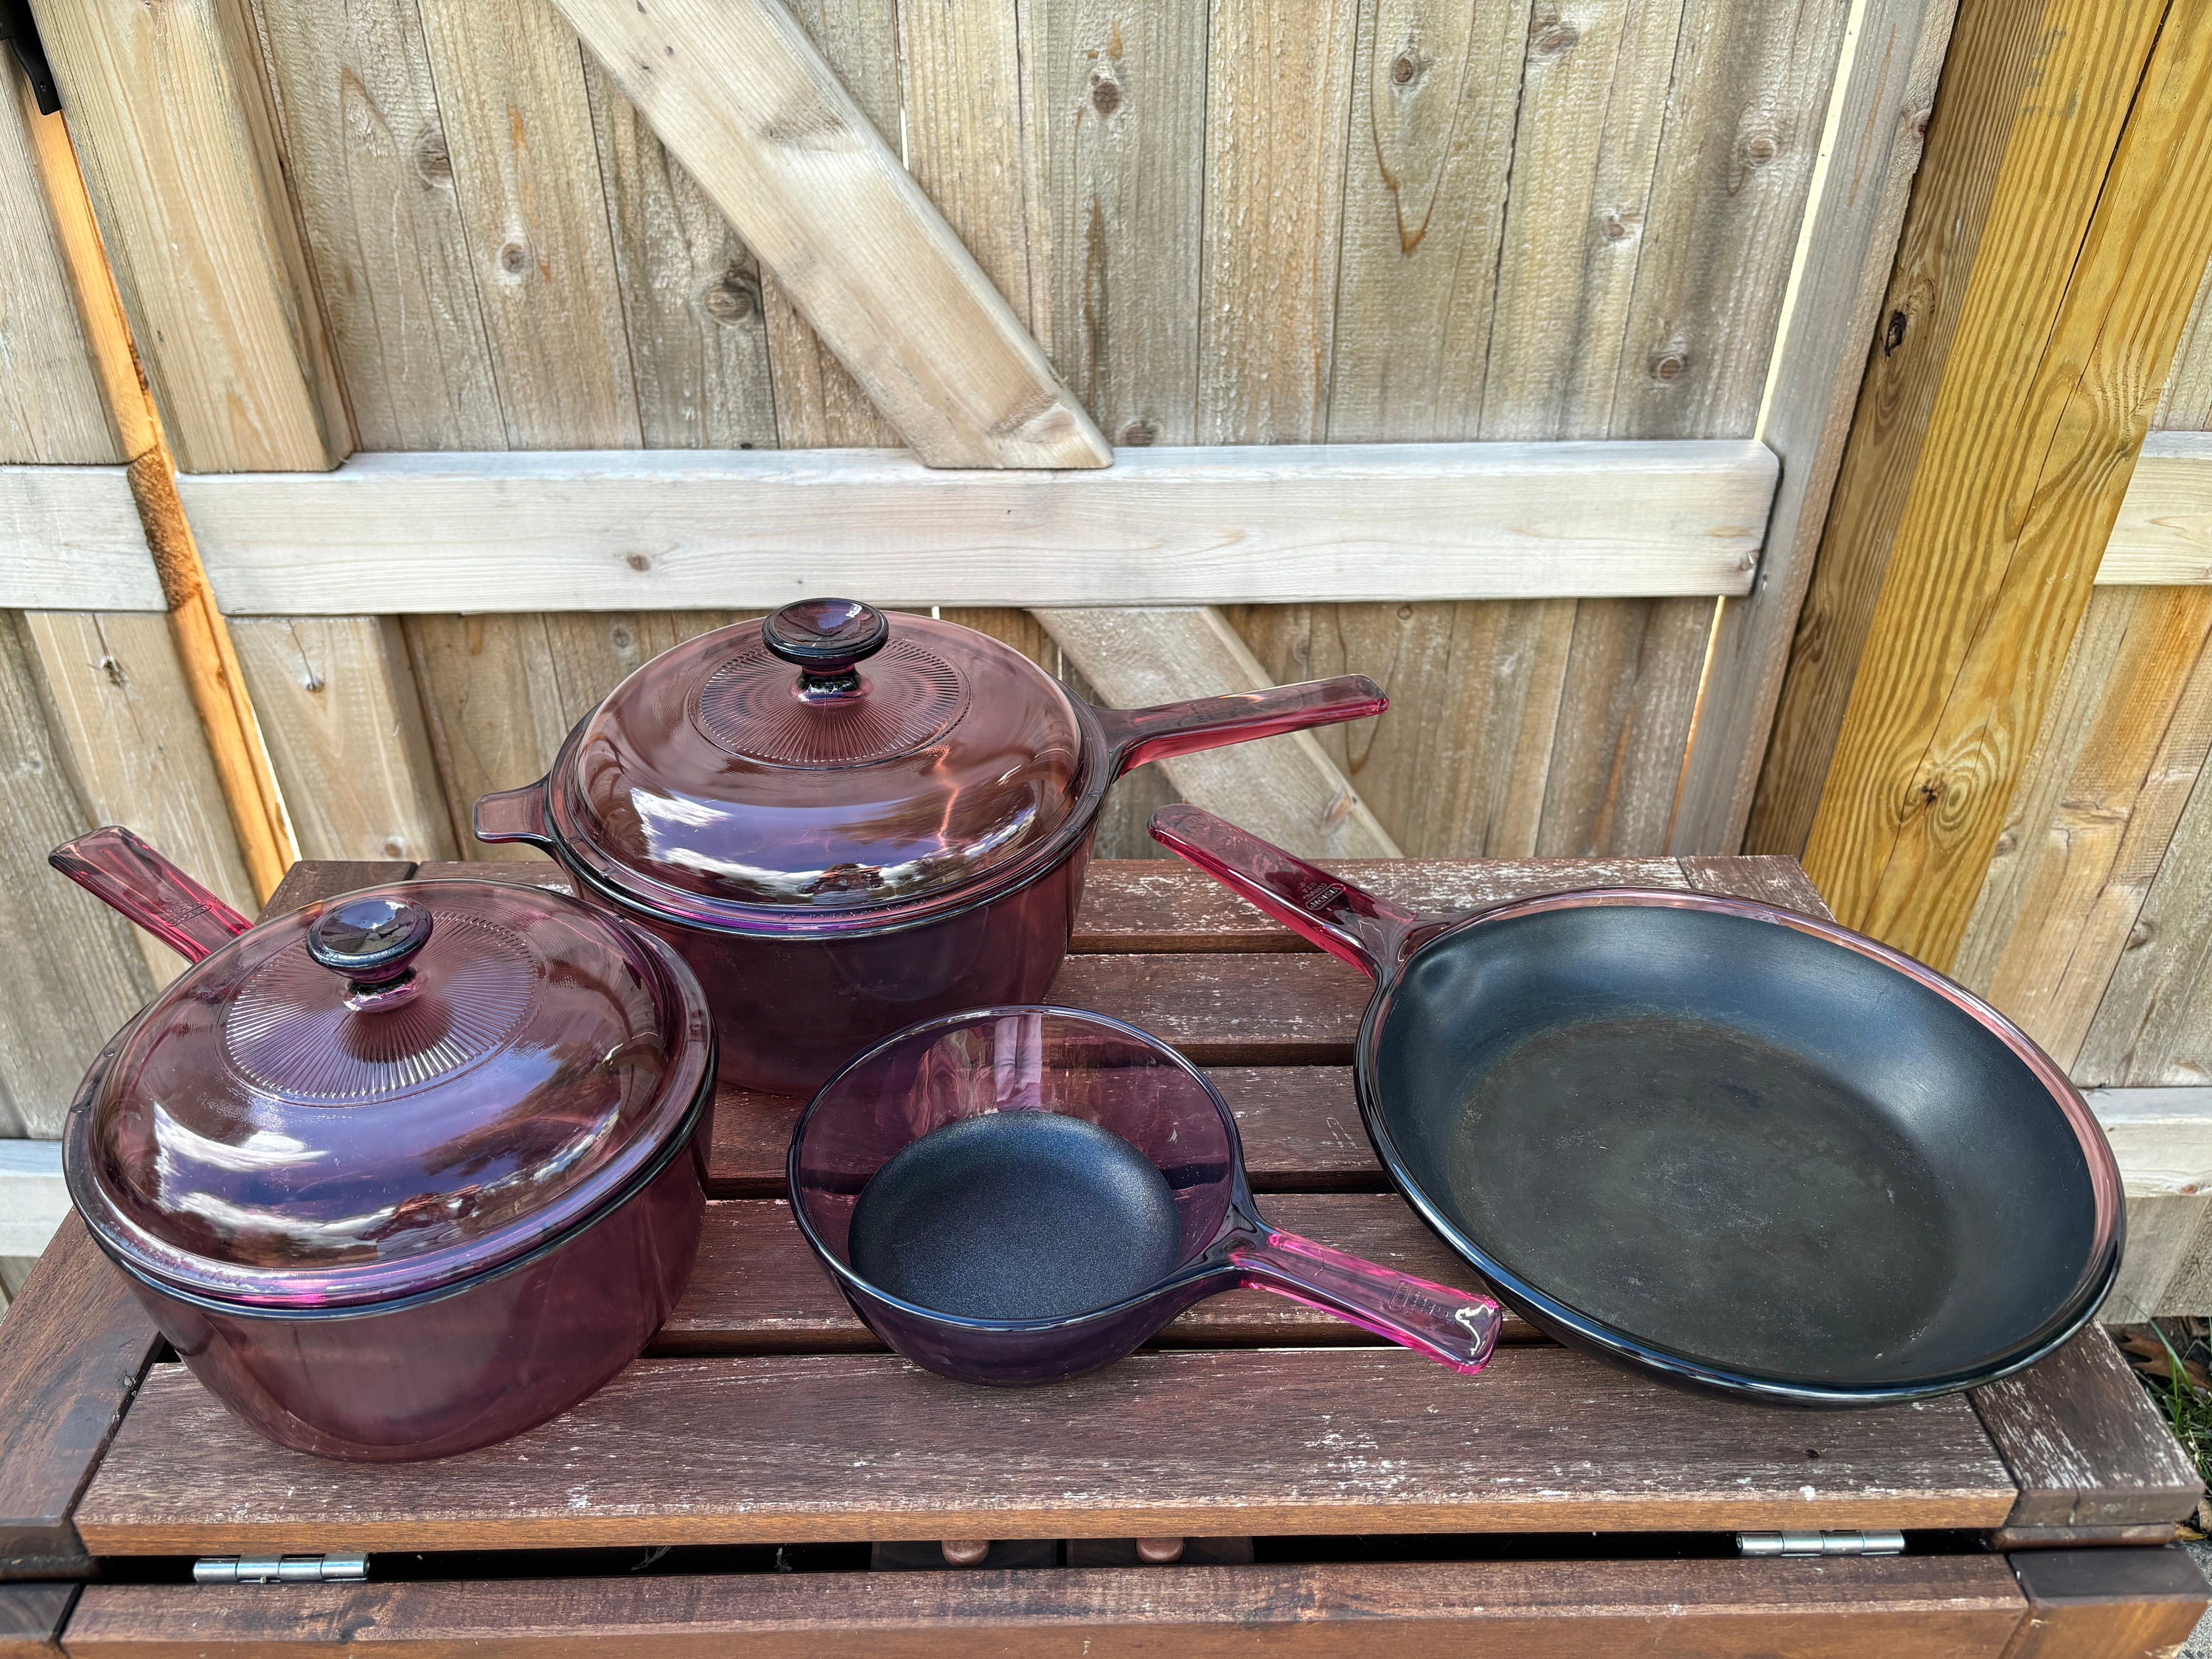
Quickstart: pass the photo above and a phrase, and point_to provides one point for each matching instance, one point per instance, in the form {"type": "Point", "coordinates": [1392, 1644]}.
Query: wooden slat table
{"type": "Point", "coordinates": [1378, 1503]}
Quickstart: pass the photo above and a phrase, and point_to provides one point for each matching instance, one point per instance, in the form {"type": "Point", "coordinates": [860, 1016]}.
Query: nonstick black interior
{"type": "Point", "coordinates": [1016, 1215]}
{"type": "Point", "coordinates": [1731, 1141]}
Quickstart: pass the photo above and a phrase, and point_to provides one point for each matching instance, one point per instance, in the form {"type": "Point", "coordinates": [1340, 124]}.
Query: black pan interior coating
{"type": "Point", "coordinates": [1735, 1142]}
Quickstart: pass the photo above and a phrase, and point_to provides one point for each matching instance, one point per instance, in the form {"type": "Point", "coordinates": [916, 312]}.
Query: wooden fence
{"type": "Point", "coordinates": [418, 229]}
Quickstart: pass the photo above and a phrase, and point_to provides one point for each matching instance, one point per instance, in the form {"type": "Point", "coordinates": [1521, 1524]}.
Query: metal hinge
{"type": "Point", "coordinates": [1819, 1543]}
{"type": "Point", "coordinates": [280, 1569]}
{"type": "Point", "coordinates": [18, 29]}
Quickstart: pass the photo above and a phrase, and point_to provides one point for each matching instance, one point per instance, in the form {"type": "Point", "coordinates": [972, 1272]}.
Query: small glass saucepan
{"type": "Point", "coordinates": [1082, 1066]}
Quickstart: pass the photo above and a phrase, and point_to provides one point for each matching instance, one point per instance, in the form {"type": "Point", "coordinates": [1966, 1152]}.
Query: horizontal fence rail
{"type": "Point", "coordinates": [392, 533]}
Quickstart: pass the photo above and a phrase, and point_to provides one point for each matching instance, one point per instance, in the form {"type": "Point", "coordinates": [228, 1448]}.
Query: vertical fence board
{"type": "Point", "coordinates": [690, 291]}
{"type": "Point", "coordinates": [2112, 767]}
{"type": "Point", "coordinates": [510, 85]}
{"type": "Point", "coordinates": [2154, 1025]}
{"type": "Point", "coordinates": [2077, 298]}
{"type": "Point", "coordinates": [2185, 405]}
{"type": "Point", "coordinates": [89, 976]}
{"type": "Point", "coordinates": [366, 147]}
{"type": "Point", "coordinates": [50, 410]}
{"type": "Point", "coordinates": [818, 405]}
{"type": "Point", "coordinates": [1278, 96]}
{"type": "Point", "coordinates": [339, 707]}
{"type": "Point", "coordinates": [172, 125]}
{"type": "Point", "coordinates": [1435, 92]}
{"type": "Point", "coordinates": [131, 741]}
{"type": "Point", "coordinates": [1115, 103]}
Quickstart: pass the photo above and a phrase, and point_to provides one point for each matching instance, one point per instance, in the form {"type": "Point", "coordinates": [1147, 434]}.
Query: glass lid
{"type": "Point", "coordinates": [828, 756]}
{"type": "Point", "coordinates": [387, 1092]}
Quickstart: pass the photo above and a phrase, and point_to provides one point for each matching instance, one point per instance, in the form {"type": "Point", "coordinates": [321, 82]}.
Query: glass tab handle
{"type": "Point", "coordinates": [128, 876]}
{"type": "Point", "coordinates": [1454, 1327]}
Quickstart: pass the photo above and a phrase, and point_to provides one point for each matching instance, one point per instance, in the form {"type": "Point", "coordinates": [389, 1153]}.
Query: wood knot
{"type": "Point", "coordinates": [639, 562]}
{"type": "Point", "coordinates": [394, 848]}
{"type": "Point", "coordinates": [1614, 228]}
{"type": "Point", "coordinates": [1105, 92]}
{"type": "Point", "coordinates": [2138, 936]}
{"type": "Point", "coordinates": [619, 637]}
{"type": "Point", "coordinates": [1556, 36]}
{"type": "Point", "coordinates": [1760, 149]}
{"type": "Point", "coordinates": [1141, 435]}
{"type": "Point", "coordinates": [732, 299]}
{"type": "Point", "coordinates": [515, 259]}
{"type": "Point", "coordinates": [1892, 334]}
{"type": "Point", "coordinates": [1668, 366]}
{"type": "Point", "coordinates": [1406, 69]}
{"type": "Point", "coordinates": [1405, 613]}
{"type": "Point", "coordinates": [114, 669]}
{"type": "Point", "coordinates": [432, 158]}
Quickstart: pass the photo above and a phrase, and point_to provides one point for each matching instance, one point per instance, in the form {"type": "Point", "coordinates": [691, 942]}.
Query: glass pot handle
{"type": "Point", "coordinates": [514, 815]}
{"type": "Point", "coordinates": [1135, 736]}
{"type": "Point", "coordinates": [1345, 920]}
{"type": "Point", "coordinates": [1454, 1327]}
{"type": "Point", "coordinates": [128, 876]}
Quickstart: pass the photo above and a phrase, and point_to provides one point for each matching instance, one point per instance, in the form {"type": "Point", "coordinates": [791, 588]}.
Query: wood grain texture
{"type": "Point", "coordinates": [50, 406]}
{"type": "Point", "coordinates": [2164, 533]}
{"type": "Point", "coordinates": [1459, 764]}
{"type": "Point", "coordinates": [758, 1289]}
{"type": "Point", "coordinates": [517, 126]}
{"type": "Point", "coordinates": [31, 1618]}
{"type": "Point", "coordinates": [863, 1447]}
{"type": "Point", "coordinates": [1919, 317]}
{"type": "Point", "coordinates": [2107, 1604]}
{"type": "Point", "coordinates": [134, 751]}
{"type": "Point", "coordinates": [819, 405]}
{"type": "Point", "coordinates": [2080, 285]}
{"type": "Point", "coordinates": [1278, 95]}
{"type": "Point", "coordinates": [616, 530]}
{"type": "Point", "coordinates": [742, 97]}
{"type": "Point", "coordinates": [2084, 1443]}
{"type": "Point", "coordinates": [501, 693]}
{"type": "Point", "coordinates": [2154, 1024]}
{"type": "Point", "coordinates": [1434, 102]}
{"type": "Point", "coordinates": [1300, 1126]}
{"type": "Point", "coordinates": [371, 169]}
{"type": "Point", "coordinates": [72, 1349]}
{"type": "Point", "coordinates": [88, 977]}
{"type": "Point", "coordinates": [1285, 789]}
{"type": "Point", "coordinates": [344, 727]}
{"type": "Point", "coordinates": [1114, 103]}
{"type": "Point", "coordinates": [1914, 1608]}
{"type": "Point", "coordinates": [2121, 747]}
{"type": "Point", "coordinates": [2186, 403]}
{"type": "Point", "coordinates": [70, 540]}
{"type": "Point", "coordinates": [690, 292]}
{"type": "Point", "coordinates": [171, 123]}
{"type": "Point", "coordinates": [1878, 112]}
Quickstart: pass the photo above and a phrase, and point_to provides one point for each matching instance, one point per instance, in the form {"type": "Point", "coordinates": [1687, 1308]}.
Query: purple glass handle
{"type": "Point", "coordinates": [1454, 1327]}
{"type": "Point", "coordinates": [126, 875]}
{"type": "Point", "coordinates": [1345, 920]}
{"type": "Point", "coordinates": [1137, 735]}
{"type": "Point", "coordinates": [514, 815]}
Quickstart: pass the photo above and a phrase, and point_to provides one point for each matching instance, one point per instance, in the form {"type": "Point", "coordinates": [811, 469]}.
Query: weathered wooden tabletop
{"type": "Point", "coordinates": [765, 1413]}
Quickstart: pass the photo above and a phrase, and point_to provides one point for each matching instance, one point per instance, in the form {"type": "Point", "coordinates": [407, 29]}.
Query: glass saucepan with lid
{"type": "Point", "coordinates": [848, 820]}
{"type": "Point", "coordinates": [402, 1172]}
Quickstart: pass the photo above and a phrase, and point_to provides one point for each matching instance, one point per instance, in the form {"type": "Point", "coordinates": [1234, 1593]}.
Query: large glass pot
{"type": "Point", "coordinates": [406, 1171]}
{"type": "Point", "coordinates": [849, 821]}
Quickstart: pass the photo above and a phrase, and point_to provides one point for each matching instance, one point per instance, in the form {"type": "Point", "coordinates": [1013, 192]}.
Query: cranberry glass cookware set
{"type": "Point", "coordinates": [414, 1169]}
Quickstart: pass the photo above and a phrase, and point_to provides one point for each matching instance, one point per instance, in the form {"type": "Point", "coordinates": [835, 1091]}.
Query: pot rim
{"type": "Point", "coordinates": [694, 1071]}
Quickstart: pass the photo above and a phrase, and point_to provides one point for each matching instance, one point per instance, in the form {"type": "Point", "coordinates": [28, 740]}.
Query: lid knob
{"type": "Point", "coordinates": [372, 940]}
{"type": "Point", "coordinates": [827, 640]}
